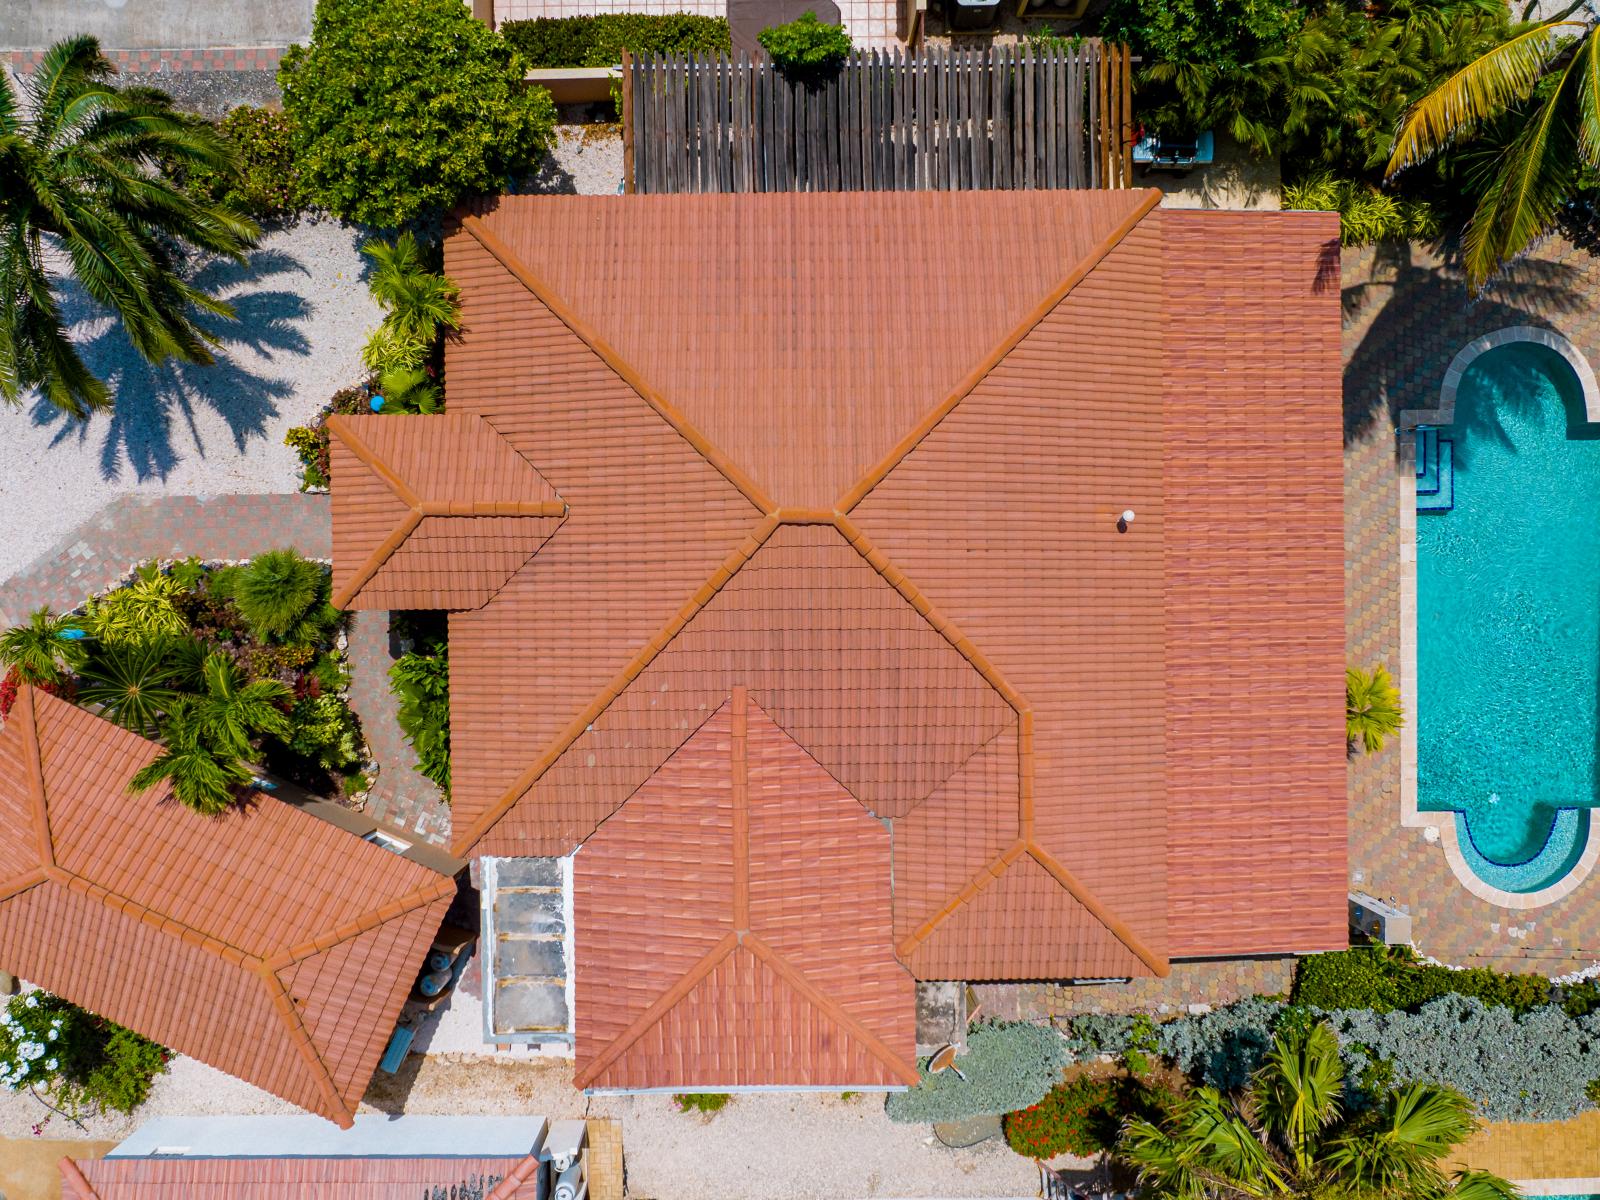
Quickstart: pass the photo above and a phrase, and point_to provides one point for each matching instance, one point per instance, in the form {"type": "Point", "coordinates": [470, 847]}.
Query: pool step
{"type": "Point", "coordinates": [1436, 484]}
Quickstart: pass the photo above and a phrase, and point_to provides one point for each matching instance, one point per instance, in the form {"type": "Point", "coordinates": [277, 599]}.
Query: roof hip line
{"type": "Point", "coordinates": [278, 992]}
{"type": "Point", "coordinates": [78, 1180]}
{"type": "Point", "coordinates": [1104, 915]}
{"type": "Point", "coordinates": [669, 412]}
{"type": "Point", "coordinates": [33, 763]}
{"type": "Point", "coordinates": [976, 376]}
{"type": "Point", "coordinates": [429, 892]}
{"type": "Point", "coordinates": [730, 567]}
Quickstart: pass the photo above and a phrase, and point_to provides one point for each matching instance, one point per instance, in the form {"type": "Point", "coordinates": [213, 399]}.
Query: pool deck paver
{"type": "Point", "coordinates": [1407, 314]}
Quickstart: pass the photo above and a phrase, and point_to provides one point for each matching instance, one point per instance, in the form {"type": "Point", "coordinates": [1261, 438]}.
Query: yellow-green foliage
{"type": "Point", "coordinates": [1365, 214]}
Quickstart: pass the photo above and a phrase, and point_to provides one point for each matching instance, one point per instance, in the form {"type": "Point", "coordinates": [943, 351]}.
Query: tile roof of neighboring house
{"type": "Point", "coordinates": [735, 925]}
{"type": "Point", "coordinates": [865, 455]}
{"type": "Point", "coordinates": [265, 942]}
{"type": "Point", "coordinates": [440, 523]}
{"type": "Point", "coordinates": [294, 1178]}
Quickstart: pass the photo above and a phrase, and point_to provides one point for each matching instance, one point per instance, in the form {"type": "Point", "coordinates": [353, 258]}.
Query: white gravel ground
{"type": "Point", "coordinates": [187, 430]}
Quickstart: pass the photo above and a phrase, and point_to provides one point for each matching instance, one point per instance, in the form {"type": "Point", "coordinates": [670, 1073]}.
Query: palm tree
{"type": "Point", "coordinates": [84, 175]}
{"type": "Point", "coordinates": [283, 597]}
{"type": "Point", "coordinates": [44, 649]}
{"type": "Point", "coordinates": [202, 776]}
{"type": "Point", "coordinates": [234, 708]}
{"type": "Point", "coordinates": [408, 390]}
{"type": "Point", "coordinates": [1539, 92]}
{"type": "Point", "coordinates": [134, 683]}
{"type": "Point", "coordinates": [417, 299]}
{"type": "Point", "coordinates": [1289, 1135]}
{"type": "Point", "coordinates": [1372, 710]}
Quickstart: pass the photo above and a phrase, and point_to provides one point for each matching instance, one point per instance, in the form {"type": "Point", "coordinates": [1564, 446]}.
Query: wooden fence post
{"type": "Point", "coordinates": [627, 121]}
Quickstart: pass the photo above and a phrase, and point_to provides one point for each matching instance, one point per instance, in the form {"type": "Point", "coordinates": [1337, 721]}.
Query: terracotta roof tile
{"type": "Point", "coordinates": [173, 924]}
{"type": "Point", "coordinates": [285, 1178]}
{"type": "Point", "coordinates": [736, 925]}
{"type": "Point", "coordinates": [432, 512]}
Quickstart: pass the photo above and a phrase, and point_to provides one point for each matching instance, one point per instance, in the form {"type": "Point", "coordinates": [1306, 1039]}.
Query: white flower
{"type": "Point", "coordinates": [33, 1001]}
{"type": "Point", "coordinates": [52, 1034]}
{"type": "Point", "coordinates": [50, 1064]}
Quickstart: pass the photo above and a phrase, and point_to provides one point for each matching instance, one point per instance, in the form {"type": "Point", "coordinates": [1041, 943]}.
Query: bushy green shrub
{"type": "Point", "coordinates": [403, 107]}
{"type": "Point", "coordinates": [703, 1102]}
{"type": "Point", "coordinates": [268, 179]}
{"type": "Point", "coordinates": [805, 44]}
{"type": "Point", "coordinates": [600, 40]}
{"type": "Point", "coordinates": [1081, 1117]}
{"type": "Point", "coordinates": [78, 1062]}
{"type": "Point", "coordinates": [1366, 215]}
{"type": "Point", "coordinates": [310, 444]}
{"type": "Point", "coordinates": [1221, 1048]}
{"type": "Point", "coordinates": [324, 730]}
{"type": "Point", "coordinates": [421, 682]}
{"type": "Point", "coordinates": [1008, 1065]}
{"type": "Point", "coordinates": [283, 597]}
{"type": "Point", "coordinates": [142, 611]}
{"type": "Point", "coordinates": [1383, 979]}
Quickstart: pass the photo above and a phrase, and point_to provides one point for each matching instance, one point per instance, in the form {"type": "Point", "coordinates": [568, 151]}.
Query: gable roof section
{"type": "Point", "coordinates": [737, 926]}
{"type": "Point", "coordinates": [293, 1178]}
{"type": "Point", "coordinates": [432, 511]}
{"type": "Point", "coordinates": [266, 942]}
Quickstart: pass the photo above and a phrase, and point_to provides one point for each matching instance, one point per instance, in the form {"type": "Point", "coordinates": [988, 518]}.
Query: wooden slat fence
{"type": "Point", "coordinates": [1005, 117]}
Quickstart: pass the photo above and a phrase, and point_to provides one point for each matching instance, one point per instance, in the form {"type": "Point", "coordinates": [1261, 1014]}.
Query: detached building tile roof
{"type": "Point", "coordinates": [264, 942]}
{"type": "Point", "coordinates": [296, 1178]}
{"type": "Point", "coordinates": [864, 455]}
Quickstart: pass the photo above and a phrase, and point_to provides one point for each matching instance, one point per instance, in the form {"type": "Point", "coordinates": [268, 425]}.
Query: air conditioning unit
{"type": "Point", "coordinates": [1379, 920]}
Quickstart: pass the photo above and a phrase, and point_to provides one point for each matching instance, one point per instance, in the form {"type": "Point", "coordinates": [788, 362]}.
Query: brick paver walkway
{"type": "Point", "coordinates": [1407, 315]}
{"type": "Point", "coordinates": [132, 529]}
{"type": "Point", "coordinates": [1212, 983]}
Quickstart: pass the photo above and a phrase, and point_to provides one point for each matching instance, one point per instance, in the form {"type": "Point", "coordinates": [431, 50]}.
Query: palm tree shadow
{"type": "Point", "coordinates": [1425, 314]}
{"type": "Point", "coordinates": [152, 401]}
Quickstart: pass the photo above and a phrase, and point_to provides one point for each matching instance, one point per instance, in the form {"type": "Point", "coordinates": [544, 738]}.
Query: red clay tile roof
{"type": "Point", "coordinates": [437, 521]}
{"type": "Point", "coordinates": [292, 1178]}
{"type": "Point", "coordinates": [266, 942]}
{"type": "Point", "coordinates": [735, 925]}
{"type": "Point", "coordinates": [865, 454]}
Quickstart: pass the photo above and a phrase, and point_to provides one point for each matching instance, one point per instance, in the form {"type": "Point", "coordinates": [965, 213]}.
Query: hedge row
{"type": "Point", "coordinates": [1394, 980]}
{"type": "Point", "coordinates": [599, 41]}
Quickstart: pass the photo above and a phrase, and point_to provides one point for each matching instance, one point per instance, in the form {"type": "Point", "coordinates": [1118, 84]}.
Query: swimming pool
{"type": "Point", "coordinates": [1508, 622]}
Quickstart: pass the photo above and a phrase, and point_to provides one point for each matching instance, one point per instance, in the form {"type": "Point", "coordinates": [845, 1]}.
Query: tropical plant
{"type": "Point", "coordinates": [1081, 1117]}
{"type": "Point", "coordinates": [409, 390]}
{"type": "Point", "coordinates": [282, 597]}
{"type": "Point", "coordinates": [417, 299]}
{"type": "Point", "coordinates": [1290, 1135]}
{"type": "Point", "coordinates": [805, 44]}
{"type": "Point", "coordinates": [232, 709]}
{"type": "Point", "coordinates": [82, 175]}
{"type": "Point", "coordinates": [145, 609]}
{"type": "Point", "coordinates": [402, 107]}
{"type": "Point", "coordinates": [385, 351]}
{"type": "Point", "coordinates": [11, 684]}
{"type": "Point", "coordinates": [76, 1062]}
{"type": "Point", "coordinates": [421, 682]}
{"type": "Point", "coordinates": [44, 649]}
{"type": "Point", "coordinates": [134, 682]}
{"type": "Point", "coordinates": [323, 729]}
{"type": "Point", "coordinates": [1366, 214]}
{"type": "Point", "coordinates": [1535, 99]}
{"type": "Point", "coordinates": [267, 182]}
{"type": "Point", "coordinates": [203, 776]}
{"type": "Point", "coordinates": [1373, 713]}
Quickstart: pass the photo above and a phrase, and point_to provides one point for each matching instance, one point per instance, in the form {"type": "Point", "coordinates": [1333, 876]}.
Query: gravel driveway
{"type": "Point", "coordinates": [187, 430]}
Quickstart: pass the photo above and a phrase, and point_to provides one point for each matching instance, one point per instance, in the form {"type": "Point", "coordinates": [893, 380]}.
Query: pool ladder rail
{"type": "Point", "coordinates": [1436, 476]}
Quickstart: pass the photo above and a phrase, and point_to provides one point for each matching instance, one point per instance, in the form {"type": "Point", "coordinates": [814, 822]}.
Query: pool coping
{"type": "Point", "coordinates": [1433, 828]}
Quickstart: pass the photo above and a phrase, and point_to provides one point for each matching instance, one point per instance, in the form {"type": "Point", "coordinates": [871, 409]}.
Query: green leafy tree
{"type": "Point", "coordinates": [83, 172]}
{"type": "Point", "coordinates": [805, 44]}
{"type": "Point", "coordinates": [282, 597]}
{"type": "Point", "coordinates": [1290, 1135]}
{"type": "Point", "coordinates": [402, 107]}
{"type": "Point", "coordinates": [1373, 712]}
{"type": "Point", "coordinates": [1535, 99]}
{"type": "Point", "coordinates": [134, 683]}
{"type": "Point", "coordinates": [204, 776]}
{"type": "Point", "coordinates": [233, 709]}
{"type": "Point", "coordinates": [38, 651]}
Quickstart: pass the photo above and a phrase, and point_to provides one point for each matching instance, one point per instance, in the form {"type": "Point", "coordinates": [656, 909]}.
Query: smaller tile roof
{"type": "Point", "coordinates": [266, 942]}
{"type": "Point", "coordinates": [736, 926]}
{"type": "Point", "coordinates": [293, 1178]}
{"type": "Point", "coordinates": [431, 511]}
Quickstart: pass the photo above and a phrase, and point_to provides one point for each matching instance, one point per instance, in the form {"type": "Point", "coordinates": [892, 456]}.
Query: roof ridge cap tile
{"type": "Point", "coordinates": [73, 1174]}
{"type": "Point", "coordinates": [1092, 903]}
{"type": "Point", "coordinates": [1080, 271]}
{"type": "Point", "coordinates": [831, 1008]}
{"type": "Point", "coordinates": [669, 412]}
{"type": "Point", "coordinates": [33, 763]}
{"type": "Point", "coordinates": [515, 1178]}
{"type": "Point", "coordinates": [373, 918]}
{"type": "Point", "coordinates": [300, 1037]}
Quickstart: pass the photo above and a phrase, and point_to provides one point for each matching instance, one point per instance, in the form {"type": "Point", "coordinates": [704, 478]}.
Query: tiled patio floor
{"type": "Point", "coordinates": [1406, 316]}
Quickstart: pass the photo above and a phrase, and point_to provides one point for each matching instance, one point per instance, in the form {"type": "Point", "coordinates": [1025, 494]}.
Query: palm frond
{"type": "Point", "coordinates": [1481, 1185]}
{"type": "Point", "coordinates": [1399, 1152]}
{"type": "Point", "coordinates": [133, 682]}
{"type": "Point", "coordinates": [1372, 707]}
{"type": "Point", "coordinates": [1479, 91]}
{"type": "Point", "coordinates": [1297, 1089]}
{"type": "Point", "coordinates": [42, 649]}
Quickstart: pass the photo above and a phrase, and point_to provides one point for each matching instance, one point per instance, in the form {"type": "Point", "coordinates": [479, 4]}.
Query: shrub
{"type": "Point", "coordinates": [1221, 1048]}
{"type": "Point", "coordinates": [1008, 1065]}
{"type": "Point", "coordinates": [705, 1102]}
{"type": "Point", "coordinates": [12, 681]}
{"type": "Point", "coordinates": [1366, 215]}
{"type": "Point", "coordinates": [324, 730]}
{"type": "Point", "coordinates": [282, 597]}
{"type": "Point", "coordinates": [1081, 1117]}
{"type": "Point", "coordinates": [805, 44]}
{"type": "Point", "coordinates": [1372, 708]}
{"type": "Point", "coordinates": [268, 180]}
{"type": "Point", "coordinates": [78, 1062]}
{"type": "Point", "coordinates": [600, 40]}
{"type": "Point", "coordinates": [1383, 979]}
{"type": "Point", "coordinates": [421, 682]}
{"type": "Point", "coordinates": [143, 611]}
{"type": "Point", "coordinates": [310, 444]}
{"type": "Point", "coordinates": [404, 107]}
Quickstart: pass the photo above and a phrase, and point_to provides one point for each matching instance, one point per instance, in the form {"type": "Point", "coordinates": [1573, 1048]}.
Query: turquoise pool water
{"type": "Point", "coordinates": [1508, 622]}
